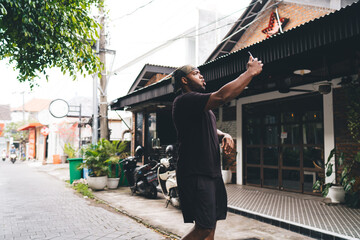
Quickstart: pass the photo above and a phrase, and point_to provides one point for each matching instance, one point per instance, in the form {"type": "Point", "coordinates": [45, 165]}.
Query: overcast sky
{"type": "Point", "coordinates": [133, 28]}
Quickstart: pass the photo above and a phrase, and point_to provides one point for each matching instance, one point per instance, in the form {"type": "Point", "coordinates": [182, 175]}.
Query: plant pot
{"type": "Point", "coordinates": [336, 194]}
{"type": "Point", "coordinates": [112, 183]}
{"type": "Point", "coordinates": [63, 158]}
{"type": "Point", "coordinates": [97, 183]}
{"type": "Point", "coordinates": [226, 175]}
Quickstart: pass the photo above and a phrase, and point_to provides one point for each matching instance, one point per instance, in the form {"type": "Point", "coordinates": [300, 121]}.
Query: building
{"type": "Point", "coordinates": [35, 147]}
{"type": "Point", "coordinates": [5, 118]}
{"type": "Point", "coordinates": [292, 115]}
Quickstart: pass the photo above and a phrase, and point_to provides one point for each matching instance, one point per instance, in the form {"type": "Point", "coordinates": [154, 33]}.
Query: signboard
{"type": "Point", "coordinates": [275, 24]}
{"type": "Point", "coordinates": [2, 126]}
{"type": "Point", "coordinates": [45, 131]}
{"type": "Point", "coordinates": [32, 142]}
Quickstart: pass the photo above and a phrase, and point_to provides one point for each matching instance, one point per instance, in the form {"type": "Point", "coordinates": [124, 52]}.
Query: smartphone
{"type": "Point", "coordinates": [251, 55]}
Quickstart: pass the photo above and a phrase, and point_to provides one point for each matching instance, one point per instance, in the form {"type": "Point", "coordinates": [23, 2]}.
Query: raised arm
{"type": "Point", "coordinates": [232, 89]}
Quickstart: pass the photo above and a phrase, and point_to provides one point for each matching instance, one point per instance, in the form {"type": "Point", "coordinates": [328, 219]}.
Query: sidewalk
{"type": "Point", "coordinates": [254, 213]}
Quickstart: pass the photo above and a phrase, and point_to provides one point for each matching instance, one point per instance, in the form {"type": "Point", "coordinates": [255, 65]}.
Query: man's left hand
{"type": "Point", "coordinates": [227, 143]}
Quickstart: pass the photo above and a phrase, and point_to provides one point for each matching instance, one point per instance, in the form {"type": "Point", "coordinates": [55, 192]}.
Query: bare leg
{"type": "Point", "coordinates": [199, 233]}
{"type": "Point", "coordinates": [211, 235]}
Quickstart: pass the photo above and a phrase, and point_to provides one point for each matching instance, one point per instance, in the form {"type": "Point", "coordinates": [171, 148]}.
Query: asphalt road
{"type": "Point", "coordinates": [35, 205]}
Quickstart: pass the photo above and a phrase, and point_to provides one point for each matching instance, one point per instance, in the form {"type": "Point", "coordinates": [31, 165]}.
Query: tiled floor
{"type": "Point", "coordinates": [301, 213]}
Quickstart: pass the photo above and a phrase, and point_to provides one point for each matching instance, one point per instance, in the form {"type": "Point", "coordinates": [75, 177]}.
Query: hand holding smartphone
{"type": "Point", "coordinates": [251, 55]}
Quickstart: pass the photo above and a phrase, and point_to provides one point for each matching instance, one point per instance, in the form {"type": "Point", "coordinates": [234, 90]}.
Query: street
{"type": "Point", "coordinates": [35, 205]}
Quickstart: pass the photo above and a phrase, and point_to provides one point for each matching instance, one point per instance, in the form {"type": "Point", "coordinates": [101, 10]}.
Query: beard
{"type": "Point", "coordinates": [196, 87]}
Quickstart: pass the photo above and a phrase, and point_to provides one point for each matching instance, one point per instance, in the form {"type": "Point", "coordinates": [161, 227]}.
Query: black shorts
{"type": "Point", "coordinates": [203, 199]}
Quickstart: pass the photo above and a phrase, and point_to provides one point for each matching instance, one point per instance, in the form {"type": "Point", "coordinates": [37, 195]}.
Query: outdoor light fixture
{"type": "Point", "coordinates": [302, 71]}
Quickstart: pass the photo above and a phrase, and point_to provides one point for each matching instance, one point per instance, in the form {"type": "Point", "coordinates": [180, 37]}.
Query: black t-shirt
{"type": "Point", "coordinates": [199, 151]}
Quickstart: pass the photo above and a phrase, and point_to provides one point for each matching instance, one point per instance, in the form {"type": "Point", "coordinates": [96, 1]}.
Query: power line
{"type": "Point", "coordinates": [218, 20]}
{"type": "Point", "coordinates": [128, 14]}
{"type": "Point", "coordinates": [236, 22]}
{"type": "Point", "coordinates": [186, 35]}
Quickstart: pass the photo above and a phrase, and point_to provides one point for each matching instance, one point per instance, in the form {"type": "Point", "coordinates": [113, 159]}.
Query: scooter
{"type": "Point", "coordinates": [167, 178]}
{"type": "Point", "coordinates": [142, 179]}
{"type": "Point", "coordinates": [13, 157]}
{"type": "Point", "coordinates": [3, 156]}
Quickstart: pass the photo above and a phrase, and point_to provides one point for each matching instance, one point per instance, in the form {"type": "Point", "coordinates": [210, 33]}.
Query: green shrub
{"type": "Point", "coordinates": [84, 190]}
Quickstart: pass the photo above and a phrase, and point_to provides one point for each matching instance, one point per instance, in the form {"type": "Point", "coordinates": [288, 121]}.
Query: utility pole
{"type": "Point", "coordinates": [104, 128]}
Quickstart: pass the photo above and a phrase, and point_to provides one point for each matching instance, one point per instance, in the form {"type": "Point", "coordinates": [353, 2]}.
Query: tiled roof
{"type": "Point", "coordinates": [34, 105]}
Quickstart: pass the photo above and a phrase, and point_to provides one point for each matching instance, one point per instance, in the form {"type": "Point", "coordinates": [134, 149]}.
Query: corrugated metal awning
{"type": "Point", "coordinates": [335, 27]}
{"type": "Point", "coordinates": [151, 92]}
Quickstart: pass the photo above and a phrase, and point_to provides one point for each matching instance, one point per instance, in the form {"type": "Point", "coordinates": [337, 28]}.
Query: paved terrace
{"type": "Point", "coordinates": [305, 214]}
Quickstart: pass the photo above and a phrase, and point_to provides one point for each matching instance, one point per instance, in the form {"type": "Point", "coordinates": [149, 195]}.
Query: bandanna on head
{"type": "Point", "coordinates": [182, 72]}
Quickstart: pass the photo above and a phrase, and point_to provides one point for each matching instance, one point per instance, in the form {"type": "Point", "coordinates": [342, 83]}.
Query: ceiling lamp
{"type": "Point", "coordinates": [302, 71]}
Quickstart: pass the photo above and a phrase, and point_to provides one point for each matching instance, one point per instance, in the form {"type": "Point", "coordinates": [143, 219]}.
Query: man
{"type": "Point", "coordinates": [201, 189]}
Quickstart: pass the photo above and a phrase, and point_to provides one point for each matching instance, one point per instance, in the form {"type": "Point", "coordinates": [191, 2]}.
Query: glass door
{"type": "Point", "coordinates": [283, 147]}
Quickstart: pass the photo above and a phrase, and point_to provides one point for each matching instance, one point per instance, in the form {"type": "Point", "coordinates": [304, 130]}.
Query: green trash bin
{"type": "Point", "coordinates": [123, 181]}
{"type": "Point", "coordinates": [75, 173]}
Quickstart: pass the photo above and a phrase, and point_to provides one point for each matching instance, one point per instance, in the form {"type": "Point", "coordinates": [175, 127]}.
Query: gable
{"type": "Point", "coordinates": [150, 74]}
{"type": "Point", "coordinates": [296, 14]}
{"type": "Point", "coordinates": [155, 78]}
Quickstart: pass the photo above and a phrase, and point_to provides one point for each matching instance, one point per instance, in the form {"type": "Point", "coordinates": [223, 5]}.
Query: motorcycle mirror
{"type": "Point", "coordinates": [139, 151]}
{"type": "Point", "coordinates": [169, 150]}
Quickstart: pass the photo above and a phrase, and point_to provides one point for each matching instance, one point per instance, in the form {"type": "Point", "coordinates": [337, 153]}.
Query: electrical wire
{"type": "Point", "coordinates": [218, 20]}
{"type": "Point", "coordinates": [128, 14]}
{"type": "Point", "coordinates": [185, 35]}
{"type": "Point", "coordinates": [231, 23]}
{"type": "Point", "coordinates": [247, 25]}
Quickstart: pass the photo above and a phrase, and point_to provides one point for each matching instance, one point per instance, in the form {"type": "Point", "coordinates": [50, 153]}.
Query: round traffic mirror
{"type": "Point", "coordinates": [59, 108]}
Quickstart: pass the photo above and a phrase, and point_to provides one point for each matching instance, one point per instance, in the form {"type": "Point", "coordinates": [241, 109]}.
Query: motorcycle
{"type": "Point", "coordinates": [142, 179]}
{"type": "Point", "coordinates": [3, 156]}
{"type": "Point", "coordinates": [13, 157]}
{"type": "Point", "coordinates": [167, 178]}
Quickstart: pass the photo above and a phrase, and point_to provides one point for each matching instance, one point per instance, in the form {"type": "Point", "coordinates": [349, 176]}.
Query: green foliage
{"type": "Point", "coordinates": [349, 178]}
{"type": "Point", "coordinates": [11, 130]}
{"type": "Point", "coordinates": [84, 190]}
{"type": "Point", "coordinates": [69, 150]}
{"type": "Point", "coordinates": [320, 184]}
{"type": "Point", "coordinates": [97, 158]}
{"type": "Point", "coordinates": [113, 161]}
{"type": "Point", "coordinates": [36, 35]}
{"type": "Point", "coordinates": [353, 114]}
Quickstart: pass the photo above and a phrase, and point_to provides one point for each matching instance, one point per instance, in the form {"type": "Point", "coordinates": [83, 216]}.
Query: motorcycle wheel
{"type": "Point", "coordinates": [153, 192]}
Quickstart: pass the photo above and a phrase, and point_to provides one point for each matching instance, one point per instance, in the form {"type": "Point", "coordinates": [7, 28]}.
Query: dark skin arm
{"type": "Point", "coordinates": [227, 143]}
{"type": "Point", "coordinates": [232, 89]}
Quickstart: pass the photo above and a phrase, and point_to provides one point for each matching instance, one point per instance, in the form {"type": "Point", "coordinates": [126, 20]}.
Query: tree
{"type": "Point", "coordinates": [11, 130]}
{"type": "Point", "coordinates": [36, 35]}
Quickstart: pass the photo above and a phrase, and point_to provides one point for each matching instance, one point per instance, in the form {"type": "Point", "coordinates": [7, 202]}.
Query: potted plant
{"type": "Point", "coordinates": [227, 162]}
{"type": "Point", "coordinates": [336, 190]}
{"type": "Point", "coordinates": [118, 151]}
{"type": "Point", "coordinates": [69, 150]}
{"type": "Point", "coordinates": [96, 161]}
